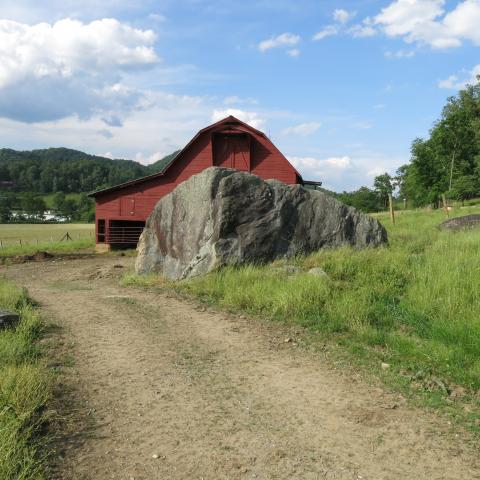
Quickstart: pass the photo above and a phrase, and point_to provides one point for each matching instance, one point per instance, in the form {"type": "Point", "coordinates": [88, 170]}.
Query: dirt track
{"type": "Point", "coordinates": [213, 396]}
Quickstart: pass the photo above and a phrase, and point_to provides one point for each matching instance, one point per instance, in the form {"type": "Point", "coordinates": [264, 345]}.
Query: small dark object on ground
{"type": "Point", "coordinates": [39, 256]}
{"type": "Point", "coordinates": [461, 223]}
{"type": "Point", "coordinates": [8, 319]}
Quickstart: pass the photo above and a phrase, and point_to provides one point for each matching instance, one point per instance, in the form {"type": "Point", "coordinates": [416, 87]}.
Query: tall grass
{"type": "Point", "coordinates": [25, 388]}
{"type": "Point", "coordinates": [414, 304]}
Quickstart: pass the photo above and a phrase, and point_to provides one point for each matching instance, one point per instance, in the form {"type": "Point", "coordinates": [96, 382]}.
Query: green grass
{"type": "Point", "coordinates": [56, 247]}
{"type": "Point", "coordinates": [45, 237]}
{"type": "Point", "coordinates": [25, 388]}
{"type": "Point", "coordinates": [414, 304]}
{"type": "Point", "coordinates": [29, 234]}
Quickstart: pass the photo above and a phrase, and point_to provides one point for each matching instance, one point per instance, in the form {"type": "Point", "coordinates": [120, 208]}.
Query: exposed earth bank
{"type": "Point", "coordinates": [165, 389]}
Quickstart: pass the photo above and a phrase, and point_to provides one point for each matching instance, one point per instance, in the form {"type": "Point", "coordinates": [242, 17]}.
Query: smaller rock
{"type": "Point", "coordinates": [317, 272]}
{"type": "Point", "coordinates": [461, 223]}
{"type": "Point", "coordinates": [8, 319]}
{"type": "Point", "coordinates": [385, 366]}
{"type": "Point", "coordinates": [288, 340]}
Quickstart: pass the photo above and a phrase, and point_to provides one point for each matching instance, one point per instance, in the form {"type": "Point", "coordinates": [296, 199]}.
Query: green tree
{"type": "Point", "coordinates": [383, 186]}
{"type": "Point", "coordinates": [363, 199]}
{"type": "Point", "coordinates": [5, 209]}
{"type": "Point", "coordinates": [447, 160]}
{"type": "Point", "coordinates": [33, 205]}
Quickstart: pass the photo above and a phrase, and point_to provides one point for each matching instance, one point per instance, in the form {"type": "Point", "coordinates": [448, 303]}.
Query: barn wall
{"type": "Point", "coordinates": [268, 162]}
{"type": "Point", "coordinates": [146, 194]}
{"type": "Point", "coordinates": [136, 202]}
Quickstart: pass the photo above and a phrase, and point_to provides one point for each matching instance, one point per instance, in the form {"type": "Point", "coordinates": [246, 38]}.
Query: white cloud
{"type": "Point", "coordinates": [105, 133]}
{"type": "Point", "coordinates": [149, 159]}
{"type": "Point", "coordinates": [346, 172]}
{"type": "Point", "coordinates": [51, 71]}
{"type": "Point", "coordinates": [427, 22]}
{"type": "Point", "coordinates": [236, 100]}
{"type": "Point", "coordinates": [303, 129]}
{"type": "Point", "coordinates": [328, 31]}
{"type": "Point", "coordinates": [403, 17]}
{"type": "Point", "coordinates": [342, 16]}
{"type": "Point", "coordinates": [294, 52]}
{"type": "Point", "coordinates": [364, 29]}
{"type": "Point", "coordinates": [252, 118]}
{"type": "Point", "coordinates": [329, 170]}
{"type": "Point", "coordinates": [464, 21]}
{"type": "Point", "coordinates": [454, 82]}
{"type": "Point", "coordinates": [282, 40]}
{"type": "Point", "coordinates": [158, 17]}
{"type": "Point", "coordinates": [164, 124]}
{"type": "Point", "coordinates": [106, 155]}
{"type": "Point", "coordinates": [364, 125]}
{"type": "Point", "coordinates": [400, 54]}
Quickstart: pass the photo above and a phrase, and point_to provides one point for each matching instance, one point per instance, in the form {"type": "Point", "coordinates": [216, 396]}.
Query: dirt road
{"type": "Point", "coordinates": [170, 391]}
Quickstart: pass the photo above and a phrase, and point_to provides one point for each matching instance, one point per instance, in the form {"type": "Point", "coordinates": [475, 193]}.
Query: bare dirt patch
{"type": "Point", "coordinates": [166, 389]}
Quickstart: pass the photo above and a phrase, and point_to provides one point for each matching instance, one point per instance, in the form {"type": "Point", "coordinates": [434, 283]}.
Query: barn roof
{"type": "Point", "coordinates": [232, 121]}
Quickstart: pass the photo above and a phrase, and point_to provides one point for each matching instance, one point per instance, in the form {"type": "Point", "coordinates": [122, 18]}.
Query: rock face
{"type": "Point", "coordinates": [461, 223]}
{"type": "Point", "coordinates": [223, 216]}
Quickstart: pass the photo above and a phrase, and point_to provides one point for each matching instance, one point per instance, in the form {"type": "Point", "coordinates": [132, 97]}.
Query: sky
{"type": "Point", "coordinates": [341, 87]}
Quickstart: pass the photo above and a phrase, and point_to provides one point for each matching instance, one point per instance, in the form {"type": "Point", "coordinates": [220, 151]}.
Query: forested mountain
{"type": "Point", "coordinates": [64, 170]}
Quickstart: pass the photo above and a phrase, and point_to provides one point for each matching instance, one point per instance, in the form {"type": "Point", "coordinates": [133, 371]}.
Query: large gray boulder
{"type": "Point", "coordinates": [222, 217]}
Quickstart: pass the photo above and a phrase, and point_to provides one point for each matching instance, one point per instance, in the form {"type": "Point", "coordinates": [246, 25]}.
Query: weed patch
{"type": "Point", "coordinates": [25, 388]}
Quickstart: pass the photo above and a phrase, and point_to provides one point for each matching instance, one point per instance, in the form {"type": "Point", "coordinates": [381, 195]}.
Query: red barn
{"type": "Point", "coordinates": [121, 211]}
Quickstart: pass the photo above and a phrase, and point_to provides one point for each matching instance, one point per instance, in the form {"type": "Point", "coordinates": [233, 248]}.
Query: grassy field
{"type": "Point", "coordinates": [25, 388]}
{"type": "Point", "coordinates": [23, 239]}
{"type": "Point", "coordinates": [414, 304]}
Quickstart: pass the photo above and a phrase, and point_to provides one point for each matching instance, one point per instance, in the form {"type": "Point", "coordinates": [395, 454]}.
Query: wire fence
{"type": "Point", "coordinates": [57, 238]}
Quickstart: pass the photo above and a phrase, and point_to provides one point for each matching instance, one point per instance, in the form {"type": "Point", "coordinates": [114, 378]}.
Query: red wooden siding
{"type": "Point", "coordinates": [229, 143]}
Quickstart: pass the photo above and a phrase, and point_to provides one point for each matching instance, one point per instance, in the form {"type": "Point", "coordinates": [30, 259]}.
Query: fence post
{"type": "Point", "coordinates": [392, 211]}
{"type": "Point", "coordinates": [445, 205]}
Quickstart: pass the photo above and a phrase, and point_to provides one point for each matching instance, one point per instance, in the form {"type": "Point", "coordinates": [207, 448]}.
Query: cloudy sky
{"type": "Point", "coordinates": [341, 87]}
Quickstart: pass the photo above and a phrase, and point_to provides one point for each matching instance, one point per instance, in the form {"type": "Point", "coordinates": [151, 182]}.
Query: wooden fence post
{"type": "Point", "coordinates": [445, 205]}
{"type": "Point", "coordinates": [392, 211]}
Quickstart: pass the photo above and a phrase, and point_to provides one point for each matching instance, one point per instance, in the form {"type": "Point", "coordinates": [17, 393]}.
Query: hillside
{"type": "Point", "coordinates": [62, 169]}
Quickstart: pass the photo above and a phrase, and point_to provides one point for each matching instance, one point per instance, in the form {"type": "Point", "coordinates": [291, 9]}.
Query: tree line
{"type": "Point", "coordinates": [25, 177]}
{"type": "Point", "coordinates": [446, 163]}
{"type": "Point", "coordinates": [69, 171]}
{"type": "Point", "coordinates": [28, 207]}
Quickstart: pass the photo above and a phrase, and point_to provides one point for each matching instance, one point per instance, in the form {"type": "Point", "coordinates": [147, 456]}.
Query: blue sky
{"type": "Point", "coordinates": [341, 87]}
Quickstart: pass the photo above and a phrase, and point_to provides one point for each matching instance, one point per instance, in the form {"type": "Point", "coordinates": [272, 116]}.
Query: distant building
{"type": "Point", "coordinates": [121, 211]}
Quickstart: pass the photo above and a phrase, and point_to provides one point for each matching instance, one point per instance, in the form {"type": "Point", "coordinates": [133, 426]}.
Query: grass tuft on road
{"type": "Point", "coordinates": [25, 388]}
